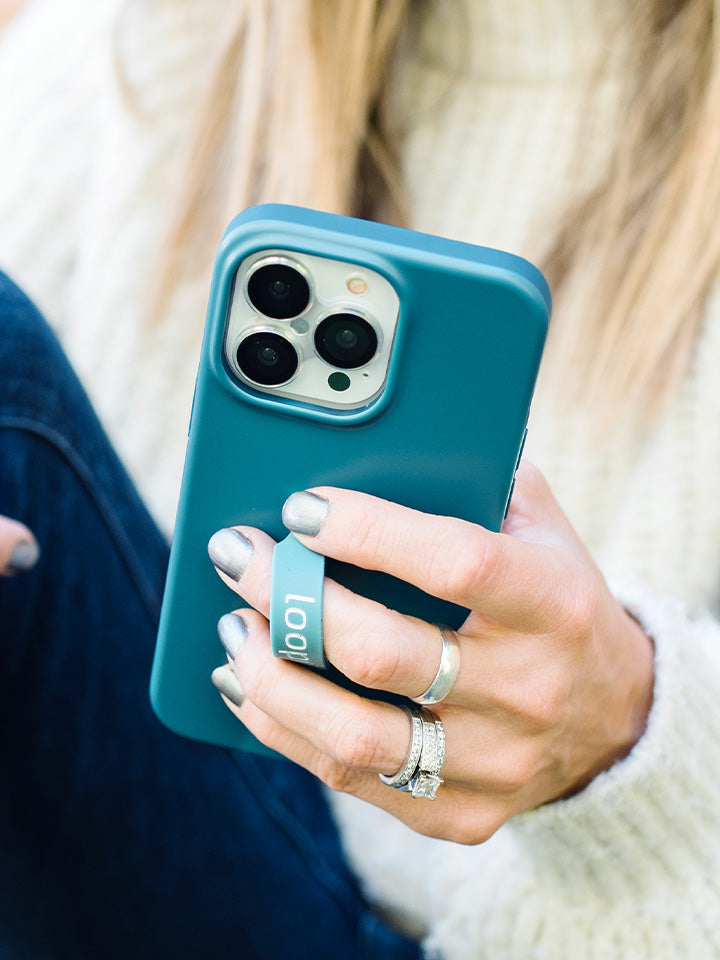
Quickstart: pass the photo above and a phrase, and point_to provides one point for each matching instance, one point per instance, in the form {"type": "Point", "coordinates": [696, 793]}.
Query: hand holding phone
{"type": "Point", "coordinates": [555, 678]}
{"type": "Point", "coordinates": [352, 354]}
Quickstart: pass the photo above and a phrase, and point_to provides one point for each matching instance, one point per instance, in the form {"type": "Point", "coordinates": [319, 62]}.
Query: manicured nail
{"type": "Point", "coordinates": [305, 513]}
{"type": "Point", "coordinates": [233, 633]}
{"type": "Point", "coordinates": [226, 682]}
{"type": "Point", "coordinates": [230, 552]}
{"type": "Point", "coordinates": [24, 556]}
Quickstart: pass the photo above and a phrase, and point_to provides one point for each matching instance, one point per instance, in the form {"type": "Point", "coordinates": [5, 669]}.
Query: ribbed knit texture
{"type": "Point", "coordinates": [629, 868]}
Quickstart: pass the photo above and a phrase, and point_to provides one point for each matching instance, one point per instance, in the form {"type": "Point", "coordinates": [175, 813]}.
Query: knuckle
{"type": "Point", "coordinates": [544, 711]}
{"type": "Point", "coordinates": [265, 729]}
{"type": "Point", "coordinates": [366, 536]}
{"type": "Point", "coordinates": [581, 609]}
{"type": "Point", "coordinates": [258, 684]}
{"type": "Point", "coordinates": [471, 835]}
{"type": "Point", "coordinates": [552, 700]}
{"type": "Point", "coordinates": [470, 566]}
{"type": "Point", "coordinates": [516, 769]}
{"type": "Point", "coordinates": [476, 826]}
{"type": "Point", "coordinates": [543, 703]}
{"type": "Point", "coordinates": [376, 671]}
{"type": "Point", "coordinates": [371, 659]}
{"type": "Point", "coordinates": [356, 743]}
{"type": "Point", "coordinates": [336, 776]}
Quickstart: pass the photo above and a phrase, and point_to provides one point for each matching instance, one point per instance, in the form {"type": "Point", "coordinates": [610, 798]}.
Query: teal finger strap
{"type": "Point", "coordinates": [296, 599]}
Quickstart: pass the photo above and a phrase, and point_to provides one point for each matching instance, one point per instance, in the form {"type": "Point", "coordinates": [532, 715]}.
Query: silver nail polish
{"type": "Point", "coordinates": [305, 513]}
{"type": "Point", "coordinates": [24, 556]}
{"type": "Point", "coordinates": [233, 633]}
{"type": "Point", "coordinates": [225, 681]}
{"type": "Point", "coordinates": [230, 552]}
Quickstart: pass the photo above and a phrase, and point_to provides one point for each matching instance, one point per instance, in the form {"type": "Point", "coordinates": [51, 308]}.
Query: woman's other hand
{"type": "Point", "coordinates": [555, 679]}
{"type": "Point", "coordinates": [19, 550]}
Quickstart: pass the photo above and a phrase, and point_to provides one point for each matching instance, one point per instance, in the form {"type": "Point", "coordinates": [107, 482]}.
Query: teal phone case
{"type": "Point", "coordinates": [443, 437]}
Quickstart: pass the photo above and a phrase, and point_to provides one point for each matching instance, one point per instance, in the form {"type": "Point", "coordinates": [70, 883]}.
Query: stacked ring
{"type": "Point", "coordinates": [426, 780]}
{"type": "Point", "coordinates": [420, 774]}
{"type": "Point", "coordinates": [404, 774]}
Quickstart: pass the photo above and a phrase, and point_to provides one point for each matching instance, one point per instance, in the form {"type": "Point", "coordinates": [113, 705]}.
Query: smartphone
{"type": "Point", "coordinates": [347, 353]}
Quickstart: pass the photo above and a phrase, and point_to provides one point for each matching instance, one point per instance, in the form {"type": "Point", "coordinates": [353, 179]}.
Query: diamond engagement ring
{"type": "Point", "coordinates": [447, 671]}
{"type": "Point", "coordinates": [419, 775]}
{"type": "Point", "coordinates": [426, 780]}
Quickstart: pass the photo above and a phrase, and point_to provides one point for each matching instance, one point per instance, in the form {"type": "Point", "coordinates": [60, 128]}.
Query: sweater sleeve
{"type": "Point", "coordinates": [52, 61]}
{"type": "Point", "coordinates": [643, 839]}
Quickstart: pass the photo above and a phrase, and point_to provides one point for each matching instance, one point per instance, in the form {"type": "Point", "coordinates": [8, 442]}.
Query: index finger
{"type": "Point", "coordinates": [508, 580]}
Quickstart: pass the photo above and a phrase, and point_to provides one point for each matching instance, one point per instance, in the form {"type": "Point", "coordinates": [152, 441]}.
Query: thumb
{"type": "Point", "coordinates": [19, 549]}
{"type": "Point", "coordinates": [535, 516]}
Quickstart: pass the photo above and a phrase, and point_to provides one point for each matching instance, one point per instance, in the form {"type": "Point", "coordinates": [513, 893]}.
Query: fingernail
{"type": "Point", "coordinates": [305, 513]}
{"type": "Point", "coordinates": [233, 633]}
{"type": "Point", "coordinates": [230, 552]}
{"type": "Point", "coordinates": [24, 556]}
{"type": "Point", "coordinates": [226, 682]}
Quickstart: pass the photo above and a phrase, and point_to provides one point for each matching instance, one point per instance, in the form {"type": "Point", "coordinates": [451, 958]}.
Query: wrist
{"type": "Point", "coordinates": [629, 681]}
{"type": "Point", "coordinates": [641, 676]}
{"type": "Point", "coordinates": [645, 678]}
{"type": "Point", "coordinates": [670, 776]}
{"type": "Point", "coordinates": [632, 687]}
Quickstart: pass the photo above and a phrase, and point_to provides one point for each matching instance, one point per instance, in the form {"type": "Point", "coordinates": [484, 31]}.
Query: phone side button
{"type": "Point", "coordinates": [192, 409]}
{"type": "Point", "coordinates": [522, 447]}
{"type": "Point", "coordinates": [507, 505]}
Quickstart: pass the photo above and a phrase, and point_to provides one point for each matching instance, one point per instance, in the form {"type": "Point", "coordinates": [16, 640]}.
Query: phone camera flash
{"type": "Point", "coordinates": [357, 285]}
{"type": "Point", "coordinates": [300, 325]}
{"type": "Point", "coordinates": [338, 381]}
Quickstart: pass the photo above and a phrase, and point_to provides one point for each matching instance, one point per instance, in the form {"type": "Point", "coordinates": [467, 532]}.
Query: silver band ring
{"type": "Point", "coordinates": [400, 779]}
{"type": "Point", "coordinates": [447, 671]}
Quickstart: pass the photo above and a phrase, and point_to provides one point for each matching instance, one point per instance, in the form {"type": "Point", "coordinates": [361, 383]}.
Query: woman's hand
{"type": "Point", "coordinates": [555, 679]}
{"type": "Point", "coordinates": [18, 548]}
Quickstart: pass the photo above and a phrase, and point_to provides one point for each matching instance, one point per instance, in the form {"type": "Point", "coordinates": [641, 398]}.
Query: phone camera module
{"type": "Point", "coordinates": [346, 340]}
{"type": "Point", "coordinates": [267, 358]}
{"type": "Point", "coordinates": [278, 290]}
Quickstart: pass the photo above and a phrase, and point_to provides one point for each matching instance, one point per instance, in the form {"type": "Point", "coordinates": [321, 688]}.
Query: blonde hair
{"type": "Point", "coordinates": [297, 111]}
{"type": "Point", "coordinates": [640, 253]}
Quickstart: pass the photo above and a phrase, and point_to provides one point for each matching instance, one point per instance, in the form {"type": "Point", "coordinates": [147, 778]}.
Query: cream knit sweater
{"type": "Point", "coordinates": [630, 868]}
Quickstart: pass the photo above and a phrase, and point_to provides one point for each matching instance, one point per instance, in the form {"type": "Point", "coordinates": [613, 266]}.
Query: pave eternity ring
{"type": "Point", "coordinates": [419, 775]}
{"type": "Point", "coordinates": [447, 671]}
{"type": "Point", "coordinates": [402, 777]}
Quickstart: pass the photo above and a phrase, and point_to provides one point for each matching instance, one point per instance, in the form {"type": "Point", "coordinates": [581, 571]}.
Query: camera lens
{"type": "Point", "coordinates": [346, 340]}
{"type": "Point", "coordinates": [279, 291]}
{"type": "Point", "coordinates": [267, 358]}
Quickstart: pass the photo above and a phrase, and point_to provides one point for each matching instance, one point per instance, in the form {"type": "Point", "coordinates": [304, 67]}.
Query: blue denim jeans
{"type": "Point", "coordinates": [119, 839]}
